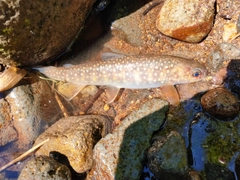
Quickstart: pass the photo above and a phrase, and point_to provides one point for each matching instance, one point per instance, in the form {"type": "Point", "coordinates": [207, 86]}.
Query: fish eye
{"type": "Point", "coordinates": [197, 72]}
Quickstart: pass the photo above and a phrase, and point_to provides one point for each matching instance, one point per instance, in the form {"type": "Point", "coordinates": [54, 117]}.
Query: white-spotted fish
{"type": "Point", "coordinates": [133, 72]}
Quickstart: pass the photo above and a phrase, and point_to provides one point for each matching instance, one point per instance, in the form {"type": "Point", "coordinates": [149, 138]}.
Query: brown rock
{"type": "Point", "coordinates": [33, 31]}
{"type": "Point", "coordinates": [220, 103]}
{"type": "Point", "coordinates": [7, 132]}
{"type": "Point", "coordinates": [186, 20]}
{"type": "Point", "coordinates": [189, 90]}
{"type": "Point", "coordinates": [73, 137]}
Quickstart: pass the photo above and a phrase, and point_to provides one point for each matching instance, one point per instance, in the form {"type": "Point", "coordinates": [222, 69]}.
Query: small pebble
{"type": "Point", "coordinates": [220, 103]}
{"type": "Point", "coordinates": [106, 107]}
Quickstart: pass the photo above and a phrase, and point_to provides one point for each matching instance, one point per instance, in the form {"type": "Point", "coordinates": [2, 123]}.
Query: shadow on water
{"type": "Point", "coordinates": [212, 145]}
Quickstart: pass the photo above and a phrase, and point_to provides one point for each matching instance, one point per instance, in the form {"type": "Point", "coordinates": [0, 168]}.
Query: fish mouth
{"type": "Point", "coordinates": [208, 78]}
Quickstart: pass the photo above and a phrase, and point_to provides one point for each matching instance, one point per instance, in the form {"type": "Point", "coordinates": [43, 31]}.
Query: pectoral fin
{"type": "Point", "coordinates": [111, 93]}
{"type": "Point", "coordinates": [68, 90]}
{"type": "Point", "coordinates": [171, 94]}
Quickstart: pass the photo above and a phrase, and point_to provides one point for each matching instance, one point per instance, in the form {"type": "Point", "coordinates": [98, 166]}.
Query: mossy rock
{"type": "Point", "coordinates": [34, 31]}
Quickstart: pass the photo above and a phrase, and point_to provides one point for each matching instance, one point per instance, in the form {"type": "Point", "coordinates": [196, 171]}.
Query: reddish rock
{"type": "Point", "coordinates": [220, 103]}
{"type": "Point", "coordinates": [186, 20]}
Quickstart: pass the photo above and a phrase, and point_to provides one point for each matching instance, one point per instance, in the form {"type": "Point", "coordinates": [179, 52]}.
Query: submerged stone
{"type": "Point", "coordinates": [220, 103]}
{"type": "Point", "coordinates": [162, 159]}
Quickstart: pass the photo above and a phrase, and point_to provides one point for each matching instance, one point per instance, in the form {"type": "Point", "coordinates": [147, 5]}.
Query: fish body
{"type": "Point", "coordinates": [133, 72]}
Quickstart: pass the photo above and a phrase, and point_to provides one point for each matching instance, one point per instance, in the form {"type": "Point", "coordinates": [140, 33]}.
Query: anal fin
{"type": "Point", "coordinates": [111, 93]}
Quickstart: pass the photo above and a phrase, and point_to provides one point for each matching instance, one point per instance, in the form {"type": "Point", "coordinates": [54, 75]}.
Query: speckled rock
{"type": "Point", "coordinates": [186, 20]}
{"type": "Point", "coordinates": [44, 167]}
{"type": "Point", "coordinates": [73, 137]}
{"type": "Point", "coordinates": [24, 103]}
{"type": "Point", "coordinates": [120, 155]}
{"type": "Point", "coordinates": [220, 103]}
{"type": "Point", "coordinates": [162, 155]}
{"type": "Point", "coordinates": [33, 31]}
{"type": "Point", "coordinates": [7, 131]}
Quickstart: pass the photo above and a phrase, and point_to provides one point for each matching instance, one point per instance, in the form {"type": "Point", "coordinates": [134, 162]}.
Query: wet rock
{"type": "Point", "coordinates": [162, 155]}
{"type": "Point", "coordinates": [32, 32]}
{"type": "Point", "coordinates": [233, 76]}
{"type": "Point", "coordinates": [188, 21]}
{"type": "Point", "coordinates": [213, 146]}
{"type": "Point", "coordinates": [220, 103]}
{"type": "Point", "coordinates": [44, 167]}
{"type": "Point", "coordinates": [120, 155]}
{"type": "Point", "coordinates": [237, 167]}
{"type": "Point", "coordinates": [26, 113]}
{"type": "Point", "coordinates": [74, 137]}
{"type": "Point", "coordinates": [194, 175]}
{"type": "Point", "coordinates": [218, 172]}
{"type": "Point", "coordinates": [7, 131]}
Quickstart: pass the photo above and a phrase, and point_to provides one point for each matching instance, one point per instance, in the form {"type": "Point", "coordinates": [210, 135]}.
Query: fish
{"type": "Point", "coordinates": [131, 72]}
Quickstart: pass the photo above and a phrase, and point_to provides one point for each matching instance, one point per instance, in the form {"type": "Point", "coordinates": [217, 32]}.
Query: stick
{"type": "Point", "coordinates": [23, 155]}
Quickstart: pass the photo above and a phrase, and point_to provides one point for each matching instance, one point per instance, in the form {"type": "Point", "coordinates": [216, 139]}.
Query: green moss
{"type": "Point", "coordinates": [27, 21]}
{"type": "Point", "coordinates": [223, 143]}
{"type": "Point", "coordinates": [7, 30]}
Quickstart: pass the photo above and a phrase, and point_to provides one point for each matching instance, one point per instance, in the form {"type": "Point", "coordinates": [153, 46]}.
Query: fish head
{"type": "Point", "coordinates": [186, 72]}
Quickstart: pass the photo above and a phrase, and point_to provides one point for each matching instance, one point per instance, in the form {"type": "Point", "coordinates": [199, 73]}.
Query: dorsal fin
{"type": "Point", "coordinates": [67, 65]}
{"type": "Point", "coordinates": [111, 55]}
